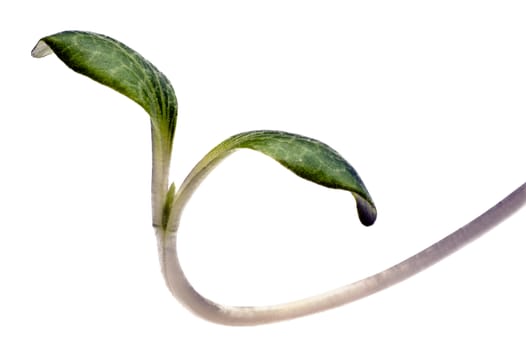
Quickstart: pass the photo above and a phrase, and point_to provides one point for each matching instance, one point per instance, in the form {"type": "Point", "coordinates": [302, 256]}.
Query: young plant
{"type": "Point", "coordinates": [115, 65]}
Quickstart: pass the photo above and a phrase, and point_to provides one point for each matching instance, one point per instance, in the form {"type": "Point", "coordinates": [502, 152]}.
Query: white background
{"type": "Point", "coordinates": [425, 99]}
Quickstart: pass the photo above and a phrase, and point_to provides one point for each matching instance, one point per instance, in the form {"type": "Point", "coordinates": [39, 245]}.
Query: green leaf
{"type": "Point", "coordinates": [313, 161]}
{"type": "Point", "coordinates": [115, 65]}
{"type": "Point", "coordinates": [306, 157]}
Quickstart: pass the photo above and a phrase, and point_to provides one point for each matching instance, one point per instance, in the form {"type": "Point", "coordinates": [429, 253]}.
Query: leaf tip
{"type": "Point", "coordinates": [366, 210]}
{"type": "Point", "coordinates": [41, 49]}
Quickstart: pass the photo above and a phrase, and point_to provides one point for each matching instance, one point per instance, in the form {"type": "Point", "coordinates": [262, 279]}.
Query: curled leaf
{"type": "Point", "coordinates": [115, 65]}
{"type": "Point", "coordinates": [314, 161]}
{"type": "Point", "coordinates": [306, 157]}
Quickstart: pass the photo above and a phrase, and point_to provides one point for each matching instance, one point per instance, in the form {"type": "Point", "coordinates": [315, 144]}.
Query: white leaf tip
{"type": "Point", "coordinates": [41, 49]}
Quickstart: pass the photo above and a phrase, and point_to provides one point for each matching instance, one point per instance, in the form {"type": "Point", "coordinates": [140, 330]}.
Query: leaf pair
{"type": "Point", "coordinates": [115, 65]}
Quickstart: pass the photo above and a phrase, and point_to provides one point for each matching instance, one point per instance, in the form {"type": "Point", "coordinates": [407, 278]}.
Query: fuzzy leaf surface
{"type": "Point", "coordinates": [117, 66]}
{"type": "Point", "coordinates": [306, 157]}
{"type": "Point", "coordinates": [314, 161]}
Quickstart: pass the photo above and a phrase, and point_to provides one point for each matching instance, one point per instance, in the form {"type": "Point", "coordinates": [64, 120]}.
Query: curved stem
{"type": "Point", "coordinates": [246, 316]}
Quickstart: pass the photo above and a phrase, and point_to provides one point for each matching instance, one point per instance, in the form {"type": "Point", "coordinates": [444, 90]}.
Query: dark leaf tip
{"type": "Point", "coordinates": [366, 211]}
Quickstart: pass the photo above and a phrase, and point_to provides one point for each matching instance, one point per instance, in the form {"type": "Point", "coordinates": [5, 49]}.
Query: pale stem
{"type": "Point", "coordinates": [246, 316]}
{"type": "Point", "coordinates": [161, 156]}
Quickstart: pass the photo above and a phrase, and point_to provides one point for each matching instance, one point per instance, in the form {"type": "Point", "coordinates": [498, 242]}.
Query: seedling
{"type": "Point", "coordinates": [111, 63]}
